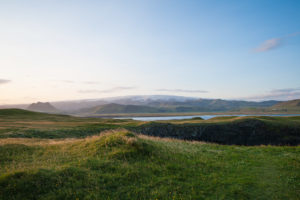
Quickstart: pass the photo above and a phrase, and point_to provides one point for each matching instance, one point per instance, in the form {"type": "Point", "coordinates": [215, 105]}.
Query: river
{"type": "Point", "coordinates": [205, 117]}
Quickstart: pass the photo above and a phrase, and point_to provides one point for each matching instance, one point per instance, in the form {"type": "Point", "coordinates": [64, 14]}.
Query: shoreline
{"type": "Point", "coordinates": [183, 114]}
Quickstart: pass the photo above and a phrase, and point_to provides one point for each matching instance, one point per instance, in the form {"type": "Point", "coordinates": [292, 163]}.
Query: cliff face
{"type": "Point", "coordinates": [245, 132]}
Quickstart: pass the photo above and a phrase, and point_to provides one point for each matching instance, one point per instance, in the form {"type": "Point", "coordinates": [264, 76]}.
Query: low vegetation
{"type": "Point", "coordinates": [16, 123]}
{"type": "Point", "coordinates": [122, 165]}
{"type": "Point", "coordinates": [45, 156]}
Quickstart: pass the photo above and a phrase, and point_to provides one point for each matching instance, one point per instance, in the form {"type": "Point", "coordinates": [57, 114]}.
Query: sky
{"type": "Point", "coordinates": [55, 50]}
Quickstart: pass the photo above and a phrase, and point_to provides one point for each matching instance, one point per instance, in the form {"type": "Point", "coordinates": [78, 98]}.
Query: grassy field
{"type": "Point", "coordinates": [121, 165]}
{"type": "Point", "coordinates": [15, 123]}
{"type": "Point", "coordinates": [252, 111]}
{"type": "Point", "coordinates": [60, 157]}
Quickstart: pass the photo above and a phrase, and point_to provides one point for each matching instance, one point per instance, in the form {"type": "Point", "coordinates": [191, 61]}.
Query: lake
{"type": "Point", "coordinates": [205, 117]}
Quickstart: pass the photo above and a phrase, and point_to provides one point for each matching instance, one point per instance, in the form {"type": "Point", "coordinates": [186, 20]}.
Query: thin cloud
{"type": "Point", "coordinates": [286, 90]}
{"type": "Point", "coordinates": [67, 81]}
{"type": "Point", "coordinates": [111, 90]}
{"type": "Point", "coordinates": [278, 94]}
{"type": "Point", "coordinates": [182, 91]}
{"type": "Point", "coordinates": [4, 81]}
{"type": "Point", "coordinates": [269, 45]}
{"type": "Point", "coordinates": [274, 43]}
{"type": "Point", "coordinates": [91, 82]}
{"type": "Point", "coordinates": [84, 82]}
{"type": "Point", "coordinates": [293, 34]}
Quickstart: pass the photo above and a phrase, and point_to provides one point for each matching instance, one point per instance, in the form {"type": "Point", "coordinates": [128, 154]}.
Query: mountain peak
{"type": "Point", "coordinates": [42, 107]}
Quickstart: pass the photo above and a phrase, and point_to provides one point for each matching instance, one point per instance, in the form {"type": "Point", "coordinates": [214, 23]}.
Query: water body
{"type": "Point", "coordinates": [205, 117]}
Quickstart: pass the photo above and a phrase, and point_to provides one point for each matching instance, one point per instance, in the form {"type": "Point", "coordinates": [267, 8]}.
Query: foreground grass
{"type": "Point", "coordinates": [121, 165]}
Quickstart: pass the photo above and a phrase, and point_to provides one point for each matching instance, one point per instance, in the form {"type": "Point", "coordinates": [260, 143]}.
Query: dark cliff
{"type": "Point", "coordinates": [240, 132]}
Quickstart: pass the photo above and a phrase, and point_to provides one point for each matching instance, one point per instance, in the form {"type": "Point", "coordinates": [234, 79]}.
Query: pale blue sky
{"type": "Point", "coordinates": [60, 50]}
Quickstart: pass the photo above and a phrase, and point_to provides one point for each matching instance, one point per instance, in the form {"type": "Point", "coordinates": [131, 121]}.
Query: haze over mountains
{"type": "Point", "coordinates": [146, 100]}
{"type": "Point", "coordinates": [42, 107]}
{"type": "Point", "coordinates": [150, 104]}
{"type": "Point", "coordinates": [155, 104]}
{"type": "Point", "coordinates": [164, 103]}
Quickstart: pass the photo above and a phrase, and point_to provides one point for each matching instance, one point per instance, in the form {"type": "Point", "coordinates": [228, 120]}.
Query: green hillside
{"type": "Point", "coordinates": [122, 165]}
{"type": "Point", "coordinates": [293, 105]}
{"type": "Point", "coordinates": [188, 106]}
{"type": "Point", "coordinates": [13, 112]}
{"type": "Point", "coordinates": [19, 114]}
{"type": "Point", "coordinates": [118, 108]}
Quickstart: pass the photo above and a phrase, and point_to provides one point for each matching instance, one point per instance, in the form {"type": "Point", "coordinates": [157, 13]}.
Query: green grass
{"type": "Point", "coordinates": [16, 123]}
{"type": "Point", "coordinates": [46, 156]}
{"type": "Point", "coordinates": [252, 130]}
{"type": "Point", "coordinates": [122, 165]}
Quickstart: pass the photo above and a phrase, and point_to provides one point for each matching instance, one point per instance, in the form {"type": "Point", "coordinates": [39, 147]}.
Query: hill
{"type": "Point", "coordinates": [211, 105]}
{"type": "Point", "coordinates": [122, 165]}
{"type": "Point", "coordinates": [118, 108]}
{"type": "Point", "coordinates": [181, 104]}
{"type": "Point", "coordinates": [72, 106]}
{"type": "Point", "coordinates": [172, 106]}
{"type": "Point", "coordinates": [16, 112]}
{"type": "Point", "coordinates": [293, 105]}
{"type": "Point", "coordinates": [165, 102]}
{"type": "Point", "coordinates": [42, 107]}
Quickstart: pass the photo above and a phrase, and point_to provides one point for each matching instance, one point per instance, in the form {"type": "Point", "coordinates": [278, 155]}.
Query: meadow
{"type": "Point", "coordinates": [61, 157]}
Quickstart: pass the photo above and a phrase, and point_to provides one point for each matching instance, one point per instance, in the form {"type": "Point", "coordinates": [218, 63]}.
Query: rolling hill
{"type": "Point", "coordinates": [122, 165]}
{"type": "Point", "coordinates": [118, 108]}
{"type": "Point", "coordinates": [166, 106]}
{"type": "Point", "coordinates": [166, 103]}
{"type": "Point", "coordinates": [293, 105]}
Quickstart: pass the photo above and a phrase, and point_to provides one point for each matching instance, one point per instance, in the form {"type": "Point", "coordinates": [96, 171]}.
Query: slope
{"type": "Point", "coordinates": [122, 165]}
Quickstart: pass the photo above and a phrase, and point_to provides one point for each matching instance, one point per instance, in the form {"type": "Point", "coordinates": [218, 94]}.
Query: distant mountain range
{"type": "Point", "coordinates": [123, 100]}
{"type": "Point", "coordinates": [157, 104]}
{"type": "Point", "coordinates": [174, 107]}
{"type": "Point", "coordinates": [113, 108]}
